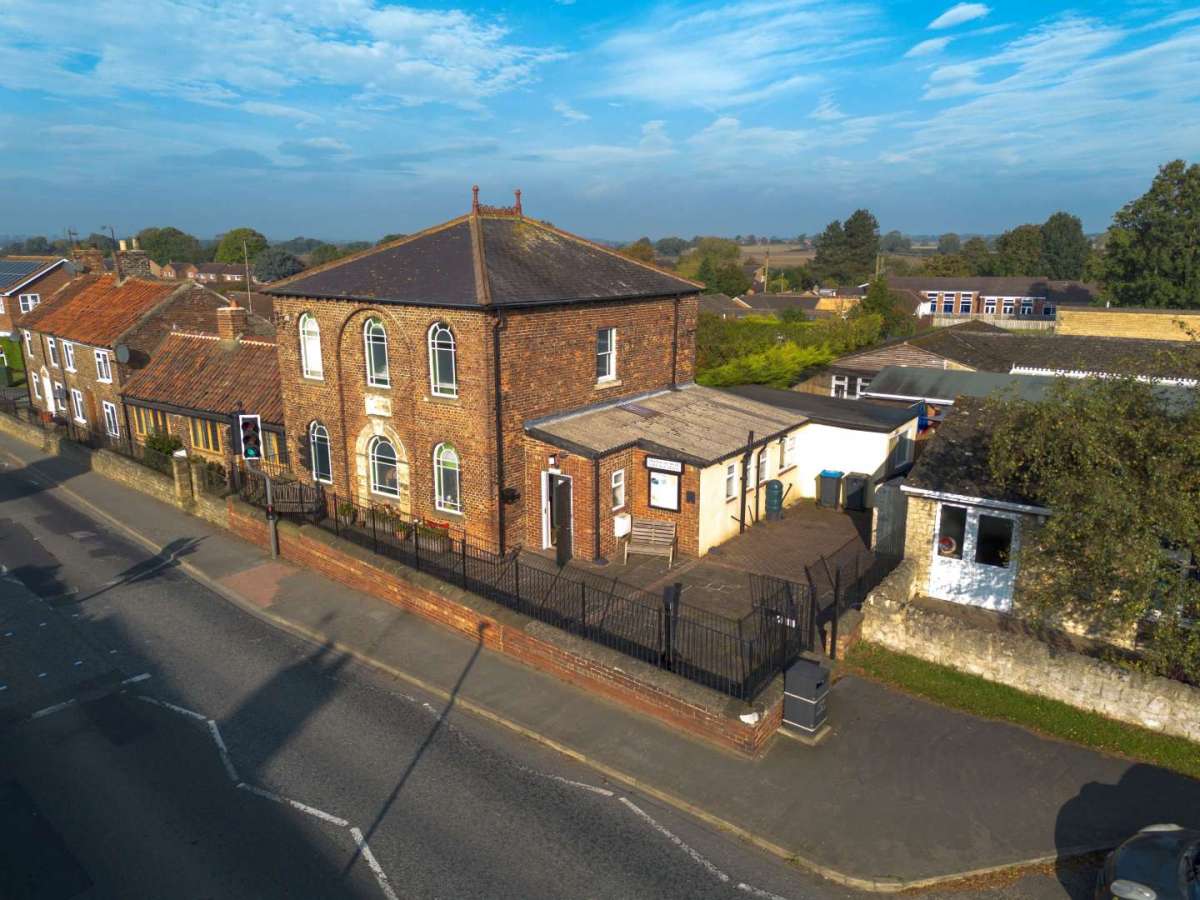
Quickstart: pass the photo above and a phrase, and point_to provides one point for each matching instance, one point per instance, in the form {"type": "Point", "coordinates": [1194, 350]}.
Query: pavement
{"type": "Point", "coordinates": [903, 794]}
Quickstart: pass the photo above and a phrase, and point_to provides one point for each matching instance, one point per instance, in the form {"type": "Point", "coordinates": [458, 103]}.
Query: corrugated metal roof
{"type": "Point", "coordinates": [694, 424]}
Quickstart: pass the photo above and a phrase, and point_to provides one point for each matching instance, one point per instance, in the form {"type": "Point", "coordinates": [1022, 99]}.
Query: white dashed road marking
{"type": "Point", "coordinates": [303, 807]}
{"type": "Point", "coordinates": [50, 710]}
{"type": "Point", "coordinates": [380, 875]}
{"type": "Point", "coordinates": [678, 842]}
{"type": "Point", "coordinates": [223, 750]}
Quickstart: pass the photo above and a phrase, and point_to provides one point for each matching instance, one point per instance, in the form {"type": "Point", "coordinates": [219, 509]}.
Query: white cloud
{"type": "Point", "coordinates": [569, 113]}
{"type": "Point", "coordinates": [733, 54]}
{"type": "Point", "coordinates": [827, 110]}
{"type": "Point", "coordinates": [401, 54]}
{"type": "Point", "coordinates": [928, 48]}
{"type": "Point", "coordinates": [960, 13]}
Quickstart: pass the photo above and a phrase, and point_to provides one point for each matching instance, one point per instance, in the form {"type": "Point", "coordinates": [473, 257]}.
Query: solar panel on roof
{"type": "Point", "coordinates": [12, 269]}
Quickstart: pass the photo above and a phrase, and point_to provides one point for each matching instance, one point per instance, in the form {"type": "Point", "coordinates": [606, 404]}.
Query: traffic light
{"type": "Point", "coordinates": [251, 431]}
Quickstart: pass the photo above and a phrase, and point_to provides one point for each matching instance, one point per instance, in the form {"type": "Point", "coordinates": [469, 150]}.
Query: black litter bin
{"type": "Point", "coordinates": [855, 488]}
{"type": "Point", "coordinates": [805, 694]}
{"type": "Point", "coordinates": [830, 493]}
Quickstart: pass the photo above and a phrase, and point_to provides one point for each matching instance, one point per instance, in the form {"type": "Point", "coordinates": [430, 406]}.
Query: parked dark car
{"type": "Point", "coordinates": [1161, 862]}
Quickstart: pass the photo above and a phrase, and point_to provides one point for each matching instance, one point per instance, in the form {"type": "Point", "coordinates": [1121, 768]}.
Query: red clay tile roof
{"type": "Point", "coordinates": [198, 372]}
{"type": "Point", "coordinates": [95, 310]}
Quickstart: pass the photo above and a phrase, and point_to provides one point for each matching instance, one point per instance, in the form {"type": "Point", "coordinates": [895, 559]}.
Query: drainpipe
{"type": "Point", "coordinates": [742, 486]}
{"type": "Point", "coordinates": [596, 505]}
{"type": "Point", "coordinates": [675, 347]}
{"type": "Point", "coordinates": [497, 325]}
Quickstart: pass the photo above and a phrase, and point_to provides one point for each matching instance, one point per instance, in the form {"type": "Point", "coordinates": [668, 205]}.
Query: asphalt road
{"type": "Point", "coordinates": [156, 741]}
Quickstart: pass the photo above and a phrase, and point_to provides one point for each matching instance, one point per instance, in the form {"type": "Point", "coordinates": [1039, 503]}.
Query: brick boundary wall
{"type": "Point", "coordinates": [893, 620]}
{"type": "Point", "coordinates": [668, 698]}
{"type": "Point", "coordinates": [672, 700]}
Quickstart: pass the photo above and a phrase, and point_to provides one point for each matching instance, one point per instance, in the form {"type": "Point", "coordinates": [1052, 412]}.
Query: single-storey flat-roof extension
{"type": "Point", "coordinates": [697, 425]}
{"type": "Point", "coordinates": [837, 411]}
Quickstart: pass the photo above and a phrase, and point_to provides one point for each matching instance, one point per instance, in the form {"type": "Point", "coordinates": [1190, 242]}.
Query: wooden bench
{"type": "Point", "coordinates": [651, 537]}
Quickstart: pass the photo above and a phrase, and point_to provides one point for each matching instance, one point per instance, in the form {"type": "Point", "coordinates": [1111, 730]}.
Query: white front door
{"type": "Point", "coordinates": [975, 556]}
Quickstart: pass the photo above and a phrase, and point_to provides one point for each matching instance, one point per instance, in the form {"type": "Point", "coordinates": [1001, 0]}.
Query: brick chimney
{"type": "Point", "coordinates": [135, 263]}
{"type": "Point", "coordinates": [89, 259]}
{"type": "Point", "coordinates": [232, 321]}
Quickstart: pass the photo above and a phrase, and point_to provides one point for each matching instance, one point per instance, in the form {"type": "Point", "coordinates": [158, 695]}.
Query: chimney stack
{"type": "Point", "coordinates": [135, 262]}
{"type": "Point", "coordinates": [88, 259]}
{"type": "Point", "coordinates": [232, 321]}
{"type": "Point", "coordinates": [517, 208]}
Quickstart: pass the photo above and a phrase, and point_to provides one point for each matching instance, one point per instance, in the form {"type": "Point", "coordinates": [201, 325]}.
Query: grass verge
{"type": "Point", "coordinates": [980, 697]}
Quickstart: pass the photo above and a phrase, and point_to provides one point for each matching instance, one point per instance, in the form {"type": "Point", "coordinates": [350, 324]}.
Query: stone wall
{"type": "Point", "coordinates": [935, 632]}
{"type": "Point", "coordinates": [679, 703]}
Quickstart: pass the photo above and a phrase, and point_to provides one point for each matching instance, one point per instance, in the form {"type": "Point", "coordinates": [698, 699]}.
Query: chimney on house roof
{"type": "Point", "coordinates": [135, 262]}
{"type": "Point", "coordinates": [474, 199]}
{"type": "Point", "coordinates": [517, 207]}
{"type": "Point", "coordinates": [232, 321]}
{"type": "Point", "coordinates": [88, 259]}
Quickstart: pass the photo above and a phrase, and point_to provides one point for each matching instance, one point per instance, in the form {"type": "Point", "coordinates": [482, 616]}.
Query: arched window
{"type": "Point", "coordinates": [310, 347]}
{"type": "Point", "coordinates": [443, 379]}
{"type": "Point", "coordinates": [318, 451]}
{"type": "Point", "coordinates": [385, 468]}
{"type": "Point", "coordinates": [375, 340]}
{"type": "Point", "coordinates": [447, 479]}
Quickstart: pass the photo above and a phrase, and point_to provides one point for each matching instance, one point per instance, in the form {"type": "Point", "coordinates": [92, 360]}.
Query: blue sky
{"type": "Point", "coordinates": [347, 119]}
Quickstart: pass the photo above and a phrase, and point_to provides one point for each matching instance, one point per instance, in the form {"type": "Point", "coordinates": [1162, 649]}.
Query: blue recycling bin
{"type": "Point", "coordinates": [829, 494]}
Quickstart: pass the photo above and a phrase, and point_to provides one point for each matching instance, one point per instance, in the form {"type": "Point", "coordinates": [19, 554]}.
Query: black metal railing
{"type": "Point", "coordinates": [734, 656]}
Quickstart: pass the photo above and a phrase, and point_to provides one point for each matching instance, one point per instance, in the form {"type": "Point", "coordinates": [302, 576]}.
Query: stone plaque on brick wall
{"type": "Point", "coordinates": [378, 406]}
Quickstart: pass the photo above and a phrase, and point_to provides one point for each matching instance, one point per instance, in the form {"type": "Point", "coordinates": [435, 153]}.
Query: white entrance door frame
{"type": "Point", "coordinates": [545, 480]}
{"type": "Point", "coordinates": [964, 580]}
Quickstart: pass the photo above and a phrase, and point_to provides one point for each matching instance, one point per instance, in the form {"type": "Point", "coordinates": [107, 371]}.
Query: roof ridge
{"type": "Point", "coordinates": [378, 248]}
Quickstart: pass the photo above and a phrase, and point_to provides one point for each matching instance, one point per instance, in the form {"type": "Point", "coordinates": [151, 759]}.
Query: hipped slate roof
{"type": "Point", "coordinates": [15, 272]}
{"type": "Point", "coordinates": [95, 310]}
{"type": "Point", "coordinates": [697, 425]}
{"type": "Point", "coordinates": [201, 373]}
{"type": "Point", "coordinates": [483, 260]}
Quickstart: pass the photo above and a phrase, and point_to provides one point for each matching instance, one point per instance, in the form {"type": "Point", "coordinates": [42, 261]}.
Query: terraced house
{"type": "Point", "coordinates": [84, 342]}
{"type": "Point", "coordinates": [409, 371]}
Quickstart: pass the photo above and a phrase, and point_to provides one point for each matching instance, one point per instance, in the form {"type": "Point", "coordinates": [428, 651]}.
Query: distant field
{"type": "Point", "coordinates": [781, 254]}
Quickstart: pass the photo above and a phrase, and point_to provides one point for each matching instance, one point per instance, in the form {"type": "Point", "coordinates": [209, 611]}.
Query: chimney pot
{"type": "Point", "coordinates": [136, 244]}
{"type": "Point", "coordinates": [475, 198]}
{"type": "Point", "coordinates": [121, 244]}
{"type": "Point", "coordinates": [517, 192]}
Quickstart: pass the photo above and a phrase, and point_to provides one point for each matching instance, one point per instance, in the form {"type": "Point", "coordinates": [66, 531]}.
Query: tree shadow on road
{"type": "Point", "coordinates": [1104, 815]}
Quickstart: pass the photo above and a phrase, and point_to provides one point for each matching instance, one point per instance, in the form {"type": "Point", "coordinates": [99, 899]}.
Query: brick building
{"type": "Point", "coordinates": [409, 370]}
{"type": "Point", "coordinates": [84, 343]}
{"type": "Point", "coordinates": [25, 281]}
{"type": "Point", "coordinates": [178, 271]}
{"type": "Point", "coordinates": [985, 295]}
{"type": "Point", "coordinates": [198, 382]}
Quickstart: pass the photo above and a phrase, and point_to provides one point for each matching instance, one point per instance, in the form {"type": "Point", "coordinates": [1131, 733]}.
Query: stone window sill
{"type": "Point", "coordinates": [606, 385]}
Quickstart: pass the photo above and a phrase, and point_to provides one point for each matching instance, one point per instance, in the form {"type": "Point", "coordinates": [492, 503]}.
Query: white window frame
{"type": "Point", "coordinates": [617, 489]}
{"type": "Point", "coordinates": [28, 302]}
{"type": "Point", "coordinates": [948, 301]}
{"type": "Point", "coordinates": [964, 305]}
{"type": "Point", "coordinates": [839, 381]}
{"type": "Point", "coordinates": [68, 350]}
{"type": "Point", "coordinates": [2, 306]}
{"type": "Point", "coordinates": [374, 334]}
{"type": "Point", "coordinates": [310, 344]}
{"type": "Point", "coordinates": [318, 433]}
{"type": "Point", "coordinates": [762, 466]}
{"type": "Point", "coordinates": [609, 356]}
{"type": "Point", "coordinates": [440, 467]}
{"type": "Point", "coordinates": [989, 306]}
{"type": "Point", "coordinates": [77, 406]}
{"type": "Point", "coordinates": [35, 383]}
{"type": "Point", "coordinates": [29, 344]}
{"type": "Point", "coordinates": [789, 452]}
{"type": "Point", "coordinates": [374, 460]}
{"type": "Point", "coordinates": [103, 367]}
{"type": "Point", "coordinates": [52, 352]}
{"type": "Point", "coordinates": [1007, 307]}
{"type": "Point", "coordinates": [731, 481]}
{"type": "Point", "coordinates": [781, 462]}
{"type": "Point", "coordinates": [112, 424]}
{"type": "Point", "coordinates": [860, 386]}
{"type": "Point", "coordinates": [59, 405]}
{"type": "Point", "coordinates": [441, 337]}
{"type": "Point", "coordinates": [1027, 307]}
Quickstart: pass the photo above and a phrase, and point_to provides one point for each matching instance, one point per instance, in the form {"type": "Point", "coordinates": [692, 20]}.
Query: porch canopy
{"type": "Point", "coordinates": [692, 424]}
